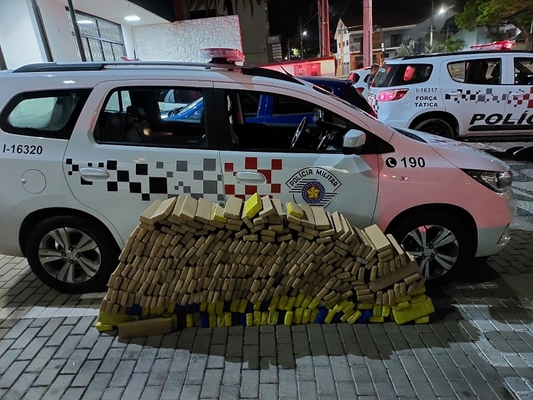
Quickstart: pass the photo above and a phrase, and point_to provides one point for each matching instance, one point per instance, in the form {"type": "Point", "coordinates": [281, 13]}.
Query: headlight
{"type": "Point", "coordinates": [499, 181]}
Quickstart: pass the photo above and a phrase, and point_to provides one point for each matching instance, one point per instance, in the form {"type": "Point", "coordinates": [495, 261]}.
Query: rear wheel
{"type": "Point", "coordinates": [439, 242]}
{"type": "Point", "coordinates": [436, 126]}
{"type": "Point", "coordinates": [71, 254]}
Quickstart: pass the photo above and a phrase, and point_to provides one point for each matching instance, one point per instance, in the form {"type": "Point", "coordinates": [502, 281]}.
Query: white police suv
{"type": "Point", "coordinates": [463, 95]}
{"type": "Point", "coordinates": [86, 147]}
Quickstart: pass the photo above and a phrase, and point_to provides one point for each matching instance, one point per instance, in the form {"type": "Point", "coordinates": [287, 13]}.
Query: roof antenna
{"type": "Point", "coordinates": [279, 64]}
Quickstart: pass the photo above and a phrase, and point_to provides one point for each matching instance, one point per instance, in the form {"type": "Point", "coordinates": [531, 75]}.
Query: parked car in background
{"type": "Point", "coordinates": [359, 78]}
{"type": "Point", "coordinates": [468, 95]}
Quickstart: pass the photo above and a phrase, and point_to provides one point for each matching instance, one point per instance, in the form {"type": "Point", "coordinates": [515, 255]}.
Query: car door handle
{"type": "Point", "coordinates": [251, 178]}
{"type": "Point", "coordinates": [455, 94]}
{"type": "Point", "coordinates": [90, 173]}
{"type": "Point", "coordinates": [517, 94]}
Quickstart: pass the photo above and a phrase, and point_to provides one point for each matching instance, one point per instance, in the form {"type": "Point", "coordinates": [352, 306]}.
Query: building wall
{"type": "Point", "coordinates": [19, 36]}
{"type": "Point", "coordinates": [181, 40]}
{"type": "Point", "coordinates": [62, 42]}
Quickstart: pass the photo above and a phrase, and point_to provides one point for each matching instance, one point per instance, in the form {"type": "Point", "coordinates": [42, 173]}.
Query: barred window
{"type": "Point", "coordinates": [102, 40]}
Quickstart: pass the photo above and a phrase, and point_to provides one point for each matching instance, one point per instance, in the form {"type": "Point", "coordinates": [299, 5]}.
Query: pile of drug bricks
{"type": "Point", "coordinates": [194, 263]}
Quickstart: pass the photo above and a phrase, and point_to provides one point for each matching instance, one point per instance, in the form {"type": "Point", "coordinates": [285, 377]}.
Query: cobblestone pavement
{"type": "Point", "coordinates": [479, 345]}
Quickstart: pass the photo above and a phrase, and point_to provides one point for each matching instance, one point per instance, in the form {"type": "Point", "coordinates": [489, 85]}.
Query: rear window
{"type": "Point", "coordinates": [50, 114]}
{"type": "Point", "coordinates": [402, 74]}
{"type": "Point", "coordinates": [353, 77]}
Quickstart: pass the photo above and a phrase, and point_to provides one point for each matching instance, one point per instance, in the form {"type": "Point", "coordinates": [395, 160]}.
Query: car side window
{"type": "Point", "coordinates": [476, 71]}
{"type": "Point", "coordinates": [51, 114]}
{"type": "Point", "coordinates": [275, 124]}
{"type": "Point", "coordinates": [153, 116]}
{"type": "Point", "coordinates": [523, 71]}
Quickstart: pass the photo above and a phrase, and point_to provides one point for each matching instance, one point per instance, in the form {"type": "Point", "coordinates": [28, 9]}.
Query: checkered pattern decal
{"type": "Point", "coordinates": [476, 96]}
{"type": "Point", "coordinates": [271, 168]}
{"type": "Point", "coordinates": [148, 179]}
{"type": "Point", "coordinates": [520, 99]}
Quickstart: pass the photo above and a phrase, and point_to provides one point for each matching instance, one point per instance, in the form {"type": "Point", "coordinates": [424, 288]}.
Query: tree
{"type": "Point", "coordinates": [227, 4]}
{"type": "Point", "coordinates": [493, 13]}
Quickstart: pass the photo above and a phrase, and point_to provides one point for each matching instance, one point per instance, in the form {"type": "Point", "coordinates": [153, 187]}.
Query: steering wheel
{"type": "Point", "coordinates": [297, 135]}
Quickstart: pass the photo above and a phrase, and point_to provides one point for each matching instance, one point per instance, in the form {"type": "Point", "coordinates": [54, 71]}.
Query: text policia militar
{"type": "Point", "coordinates": [507, 119]}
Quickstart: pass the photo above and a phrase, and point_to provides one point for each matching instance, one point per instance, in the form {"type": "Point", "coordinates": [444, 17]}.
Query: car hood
{"type": "Point", "coordinates": [460, 154]}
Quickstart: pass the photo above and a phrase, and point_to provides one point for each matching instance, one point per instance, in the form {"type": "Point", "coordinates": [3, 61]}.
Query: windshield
{"type": "Point", "coordinates": [354, 105]}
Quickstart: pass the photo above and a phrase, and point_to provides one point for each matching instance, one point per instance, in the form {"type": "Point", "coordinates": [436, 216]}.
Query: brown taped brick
{"type": "Point", "coordinates": [396, 276]}
{"type": "Point", "coordinates": [233, 208]}
{"type": "Point", "coordinates": [147, 215]}
{"type": "Point", "coordinates": [412, 278]}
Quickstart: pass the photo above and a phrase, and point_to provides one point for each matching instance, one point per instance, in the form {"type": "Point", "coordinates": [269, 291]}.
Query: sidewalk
{"type": "Point", "coordinates": [479, 344]}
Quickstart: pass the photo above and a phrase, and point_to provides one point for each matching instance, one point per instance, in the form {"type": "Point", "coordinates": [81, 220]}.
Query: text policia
{"type": "Point", "coordinates": [507, 119]}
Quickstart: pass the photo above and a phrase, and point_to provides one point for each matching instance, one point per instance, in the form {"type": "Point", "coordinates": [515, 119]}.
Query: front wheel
{"type": "Point", "coordinates": [71, 254]}
{"type": "Point", "coordinates": [436, 126]}
{"type": "Point", "coordinates": [439, 242]}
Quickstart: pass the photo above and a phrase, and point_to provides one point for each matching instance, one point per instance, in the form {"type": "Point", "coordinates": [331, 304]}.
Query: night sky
{"type": "Point", "coordinates": [284, 14]}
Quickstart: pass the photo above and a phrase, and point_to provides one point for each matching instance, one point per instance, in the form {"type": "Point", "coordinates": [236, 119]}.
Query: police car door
{"type": "Point", "coordinates": [474, 94]}
{"type": "Point", "coordinates": [257, 158]}
{"type": "Point", "coordinates": [519, 107]}
{"type": "Point", "coordinates": [127, 150]}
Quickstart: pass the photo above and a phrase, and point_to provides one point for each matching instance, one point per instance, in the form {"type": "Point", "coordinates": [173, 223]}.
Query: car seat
{"type": "Point", "coordinates": [137, 126]}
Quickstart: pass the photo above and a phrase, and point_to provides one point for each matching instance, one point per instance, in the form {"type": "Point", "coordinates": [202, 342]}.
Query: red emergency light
{"type": "Point", "coordinates": [498, 45]}
{"type": "Point", "coordinates": [220, 55]}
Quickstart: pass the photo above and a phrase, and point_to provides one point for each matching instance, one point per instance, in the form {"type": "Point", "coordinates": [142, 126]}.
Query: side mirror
{"type": "Point", "coordinates": [353, 141]}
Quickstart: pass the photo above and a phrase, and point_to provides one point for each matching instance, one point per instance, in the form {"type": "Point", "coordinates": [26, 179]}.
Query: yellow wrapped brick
{"type": "Point", "coordinates": [356, 315]}
{"type": "Point", "coordinates": [257, 318]}
{"type": "Point", "coordinates": [290, 303]}
{"type": "Point", "coordinates": [414, 312]}
{"type": "Point", "coordinates": [418, 299]}
{"type": "Point", "coordinates": [189, 320]}
{"type": "Point", "coordinates": [220, 320]}
{"type": "Point", "coordinates": [365, 306]}
{"type": "Point", "coordinates": [242, 305]}
{"type": "Point", "coordinates": [307, 300]}
{"type": "Point", "coordinates": [252, 206]}
{"type": "Point", "coordinates": [257, 306]}
{"type": "Point", "coordinates": [306, 315]}
{"type": "Point", "coordinates": [144, 312]}
{"type": "Point", "coordinates": [282, 303]}
{"type": "Point", "coordinates": [114, 320]}
{"type": "Point", "coordinates": [402, 299]}
{"type": "Point", "coordinates": [299, 300]}
{"type": "Point", "coordinates": [234, 306]}
{"type": "Point", "coordinates": [374, 318]}
{"type": "Point", "coordinates": [273, 316]}
{"type": "Point", "coordinates": [219, 307]}
{"type": "Point", "coordinates": [312, 316]}
{"type": "Point", "coordinates": [423, 320]}
{"type": "Point", "coordinates": [264, 318]}
{"type": "Point", "coordinates": [314, 304]}
{"type": "Point", "coordinates": [298, 314]}
{"type": "Point", "coordinates": [218, 214]}
{"type": "Point", "coordinates": [329, 317]}
{"type": "Point", "coordinates": [227, 319]}
{"type": "Point", "coordinates": [385, 312]}
{"type": "Point", "coordinates": [196, 319]}
{"type": "Point", "coordinates": [212, 308]}
{"type": "Point", "coordinates": [288, 318]}
{"type": "Point", "coordinates": [104, 327]}
{"type": "Point", "coordinates": [402, 305]}
{"type": "Point", "coordinates": [377, 310]}
{"type": "Point", "coordinates": [347, 315]}
{"type": "Point", "coordinates": [203, 306]}
{"type": "Point", "coordinates": [213, 320]}
{"type": "Point", "coordinates": [273, 305]}
{"type": "Point", "coordinates": [249, 319]}
{"type": "Point", "coordinates": [294, 210]}
{"type": "Point", "coordinates": [171, 307]}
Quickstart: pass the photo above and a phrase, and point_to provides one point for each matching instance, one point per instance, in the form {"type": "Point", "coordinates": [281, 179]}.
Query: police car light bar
{"type": "Point", "coordinates": [498, 45]}
{"type": "Point", "coordinates": [219, 55]}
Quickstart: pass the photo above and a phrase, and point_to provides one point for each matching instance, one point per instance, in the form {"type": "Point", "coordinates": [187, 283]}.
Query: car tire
{"type": "Point", "coordinates": [436, 126]}
{"type": "Point", "coordinates": [439, 242]}
{"type": "Point", "coordinates": [71, 254]}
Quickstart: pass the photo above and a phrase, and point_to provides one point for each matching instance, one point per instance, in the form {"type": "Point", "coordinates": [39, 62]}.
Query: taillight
{"type": "Point", "coordinates": [360, 89]}
{"type": "Point", "coordinates": [392, 94]}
